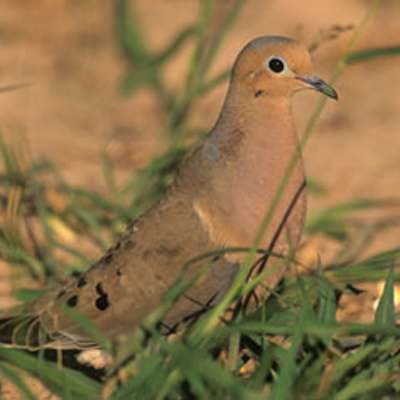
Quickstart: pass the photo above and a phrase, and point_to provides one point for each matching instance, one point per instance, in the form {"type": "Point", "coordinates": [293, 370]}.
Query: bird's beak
{"type": "Point", "coordinates": [316, 83]}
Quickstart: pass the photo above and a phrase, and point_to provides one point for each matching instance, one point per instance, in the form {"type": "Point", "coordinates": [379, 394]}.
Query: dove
{"type": "Point", "coordinates": [219, 197]}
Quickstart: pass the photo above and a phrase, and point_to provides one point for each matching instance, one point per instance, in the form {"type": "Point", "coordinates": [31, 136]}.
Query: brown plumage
{"type": "Point", "coordinates": [218, 199]}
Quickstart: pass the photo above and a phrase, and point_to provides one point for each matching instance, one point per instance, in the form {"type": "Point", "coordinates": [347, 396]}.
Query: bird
{"type": "Point", "coordinates": [219, 196]}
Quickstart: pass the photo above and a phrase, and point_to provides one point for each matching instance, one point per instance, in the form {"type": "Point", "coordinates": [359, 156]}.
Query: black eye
{"type": "Point", "coordinates": [276, 64]}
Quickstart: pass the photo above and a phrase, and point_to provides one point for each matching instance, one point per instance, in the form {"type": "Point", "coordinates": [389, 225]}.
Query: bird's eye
{"type": "Point", "coordinates": [276, 64]}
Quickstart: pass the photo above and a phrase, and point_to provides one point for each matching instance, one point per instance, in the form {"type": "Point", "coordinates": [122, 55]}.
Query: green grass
{"type": "Point", "coordinates": [318, 357]}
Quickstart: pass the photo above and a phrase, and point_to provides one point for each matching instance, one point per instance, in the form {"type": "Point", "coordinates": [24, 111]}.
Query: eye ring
{"type": "Point", "coordinates": [276, 64]}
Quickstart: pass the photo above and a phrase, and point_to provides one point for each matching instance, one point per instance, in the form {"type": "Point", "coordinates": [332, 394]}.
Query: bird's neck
{"type": "Point", "coordinates": [262, 126]}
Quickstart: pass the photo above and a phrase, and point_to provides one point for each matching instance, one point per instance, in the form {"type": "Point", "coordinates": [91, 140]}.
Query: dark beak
{"type": "Point", "coordinates": [316, 83]}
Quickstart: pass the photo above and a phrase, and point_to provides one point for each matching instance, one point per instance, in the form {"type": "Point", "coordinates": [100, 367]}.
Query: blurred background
{"type": "Point", "coordinates": [100, 99]}
{"type": "Point", "coordinates": [83, 108]}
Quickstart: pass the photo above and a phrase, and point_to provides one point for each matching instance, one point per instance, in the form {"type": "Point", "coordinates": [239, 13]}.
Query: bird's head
{"type": "Point", "coordinates": [275, 66]}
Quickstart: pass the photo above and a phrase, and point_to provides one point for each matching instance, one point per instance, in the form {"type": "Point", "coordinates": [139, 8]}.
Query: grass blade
{"type": "Point", "coordinates": [370, 54]}
{"type": "Point", "coordinates": [62, 382]}
{"type": "Point", "coordinates": [385, 315]}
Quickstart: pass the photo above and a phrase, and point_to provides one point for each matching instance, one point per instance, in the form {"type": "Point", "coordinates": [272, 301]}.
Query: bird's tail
{"type": "Point", "coordinates": [22, 330]}
{"type": "Point", "coordinates": [32, 331]}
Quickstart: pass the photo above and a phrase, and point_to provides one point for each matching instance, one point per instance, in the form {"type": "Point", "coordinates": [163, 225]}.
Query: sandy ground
{"type": "Point", "coordinates": [67, 52]}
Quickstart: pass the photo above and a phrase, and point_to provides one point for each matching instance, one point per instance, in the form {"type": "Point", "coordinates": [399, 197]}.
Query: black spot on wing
{"type": "Point", "coordinates": [72, 301]}
{"type": "Point", "coordinates": [99, 289]}
{"type": "Point", "coordinates": [102, 302]}
{"type": "Point", "coordinates": [108, 257]}
{"type": "Point", "coordinates": [81, 282]}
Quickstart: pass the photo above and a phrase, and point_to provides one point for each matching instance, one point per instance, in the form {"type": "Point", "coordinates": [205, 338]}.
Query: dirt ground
{"type": "Point", "coordinates": [67, 52]}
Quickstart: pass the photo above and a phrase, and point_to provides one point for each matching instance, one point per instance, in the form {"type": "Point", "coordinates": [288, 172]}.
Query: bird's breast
{"type": "Point", "coordinates": [240, 196]}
